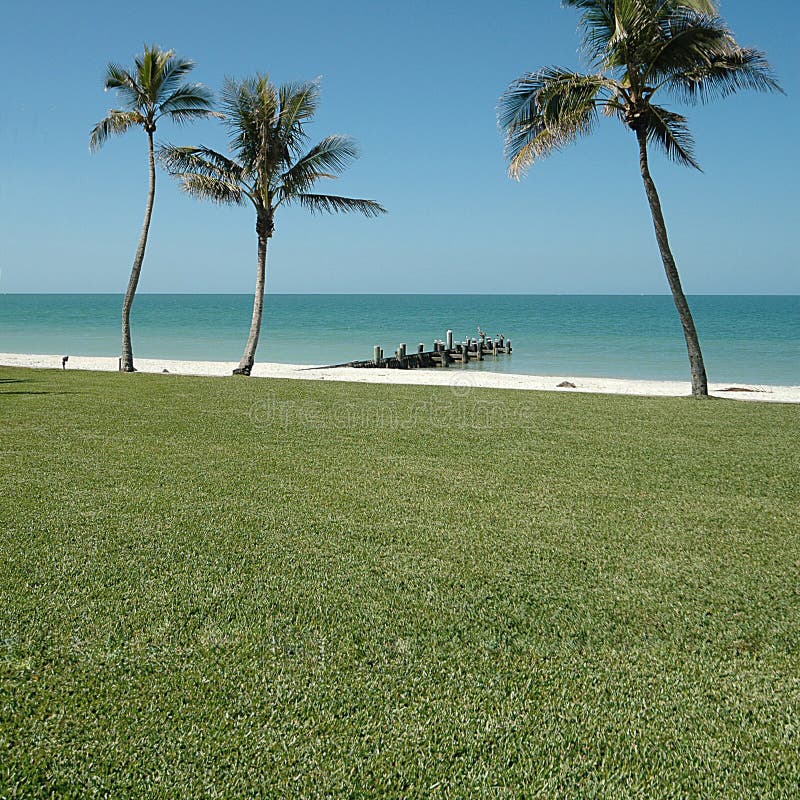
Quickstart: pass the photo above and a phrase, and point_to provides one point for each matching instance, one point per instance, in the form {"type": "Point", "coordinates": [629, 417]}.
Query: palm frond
{"type": "Point", "coordinates": [325, 160]}
{"type": "Point", "coordinates": [638, 48]}
{"type": "Point", "coordinates": [154, 89]}
{"type": "Point", "coordinates": [206, 174]}
{"type": "Point", "coordinates": [670, 131]}
{"type": "Point", "coordinates": [116, 122]}
{"type": "Point", "coordinates": [200, 160]}
{"type": "Point", "coordinates": [724, 74]}
{"type": "Point", "coordinates": [546, 110]}
{"type": "Point", "coordinates": [524, 148]}
{"type": "Point", "coordinates": [265, 97]}
{"type": "Point", "coordinates": [616, 32]}
{"type": "Point", "coordinates": [632, 19]}
{"type": "Point", "coordinates": [688, 38]}
{"type": "Point", "coordinates": [205, 187]}
{"type": "Point", "coordinates": [298, 104]}
{"type": "Point", "coordinates": [188, 102]}
{"type": "Point", "coordinates": [263, 167]}
{"type": "Point", "coordinates": [332, 204]}
{"type": "Point", "coordinates": [598, 25]}
{"type": "Point", "coordinates": [189, 95]}
{"type": "Point", "coordinates": [186, 115]}
{"type": "Point", "coordinates": [174, 69]}
{"type": "Point", "coordinates": [708, 7]}
{"type": "Point", "coordinates": [150, 70]}
{"type": "Point", "coordinates": [119, 79]}
{"type": "Point", "coordinates": [250, 108]}
{"type": "Point", "coordinates": [549, 91]}
{"type": "Point", "coordinates": [638, 34]}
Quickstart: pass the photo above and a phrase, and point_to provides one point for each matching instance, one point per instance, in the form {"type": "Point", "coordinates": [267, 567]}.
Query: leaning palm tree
{"type": "Point", "coordinates": [268, 168]}
{"type": "Point", "coordinates": [152, 90]}
{"type": "Point", "coordinates": [637, 49]}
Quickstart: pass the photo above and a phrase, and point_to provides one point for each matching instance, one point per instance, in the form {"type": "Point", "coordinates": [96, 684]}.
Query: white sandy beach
{"type": "Point", "coordinates": [460, 377]}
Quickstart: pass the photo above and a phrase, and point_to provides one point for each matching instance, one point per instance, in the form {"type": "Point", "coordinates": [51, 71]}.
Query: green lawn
{"type": "Point", "coordinates": [233, 588]}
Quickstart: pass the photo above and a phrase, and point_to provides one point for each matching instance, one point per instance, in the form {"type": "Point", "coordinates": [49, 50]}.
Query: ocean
{"type": "Point", "coordinates": [747, 339]}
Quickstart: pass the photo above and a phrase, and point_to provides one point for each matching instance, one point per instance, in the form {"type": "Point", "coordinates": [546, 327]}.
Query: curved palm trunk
{"type": "Point", "coordinates": [126, 363]}
{"type": "Point", "coordinates": [699, 380]}
{"type": "Point", "coordinates": [264, 230]}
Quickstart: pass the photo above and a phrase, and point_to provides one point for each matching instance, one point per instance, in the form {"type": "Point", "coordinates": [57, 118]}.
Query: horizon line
{"type": "Point", "coordinates": [412, 294]}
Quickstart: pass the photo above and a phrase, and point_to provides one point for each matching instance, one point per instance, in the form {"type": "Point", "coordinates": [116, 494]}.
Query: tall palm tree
{"type": "Point", "coordinates": [637, 49]}
{"type": "Point", "coordinates": [153, 89]}
{"type": "Point", "coordinates": [268, 168]}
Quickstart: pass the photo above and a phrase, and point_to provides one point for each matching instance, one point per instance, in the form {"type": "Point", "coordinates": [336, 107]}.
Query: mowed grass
{"type": "Point", "coordinates": [234, 588]}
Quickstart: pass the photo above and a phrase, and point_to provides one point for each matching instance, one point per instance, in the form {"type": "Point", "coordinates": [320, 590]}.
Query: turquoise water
{"type": "Point", "coordinates": [751, 339]}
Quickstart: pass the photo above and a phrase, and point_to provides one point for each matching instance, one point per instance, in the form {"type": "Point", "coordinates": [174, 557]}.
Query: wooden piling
{"type": "Point", "coordinates": [444, 353]}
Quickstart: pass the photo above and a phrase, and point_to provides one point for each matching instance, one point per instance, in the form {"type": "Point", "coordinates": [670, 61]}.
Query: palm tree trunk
{"type": "Point", "coordinates": [264, 231]}
{"type": "Point", "coordinates": [126, 362]}
{"type": "Point", "coordinates": [699, 380]}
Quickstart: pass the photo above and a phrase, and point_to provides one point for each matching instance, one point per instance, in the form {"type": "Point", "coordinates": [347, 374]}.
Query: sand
{"type": "Point", "coordinates": [460, 377]}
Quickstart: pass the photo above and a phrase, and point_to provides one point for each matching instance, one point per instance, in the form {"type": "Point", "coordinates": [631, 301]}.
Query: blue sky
{"type": "Point", "coordinates": [417, 84]}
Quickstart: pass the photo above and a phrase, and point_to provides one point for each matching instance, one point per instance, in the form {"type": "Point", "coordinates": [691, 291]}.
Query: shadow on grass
{"type": "Point", "coordinates": [8, 394]}
{"type": "Point", "coordinates": [6, 381]}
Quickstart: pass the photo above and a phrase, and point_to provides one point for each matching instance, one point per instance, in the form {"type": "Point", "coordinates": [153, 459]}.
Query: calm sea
{"type": "Point", "coordinates": [752, 339]}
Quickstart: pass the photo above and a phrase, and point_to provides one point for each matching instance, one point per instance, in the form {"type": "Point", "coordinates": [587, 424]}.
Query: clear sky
{"type": "Point", "coordinates": [417, 84]}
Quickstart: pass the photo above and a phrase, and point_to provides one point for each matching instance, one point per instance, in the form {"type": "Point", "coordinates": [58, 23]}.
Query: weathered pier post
{"type": "Point", "coordinates": [443, 353]}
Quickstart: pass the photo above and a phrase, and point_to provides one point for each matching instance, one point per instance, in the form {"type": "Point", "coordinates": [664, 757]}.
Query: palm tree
{"type": "Point", "coordinates": [152, 90]}
{"type": "Point", "coordinates": [268, 168]}
{"type": "Point", "coordinates": [637, 49]}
